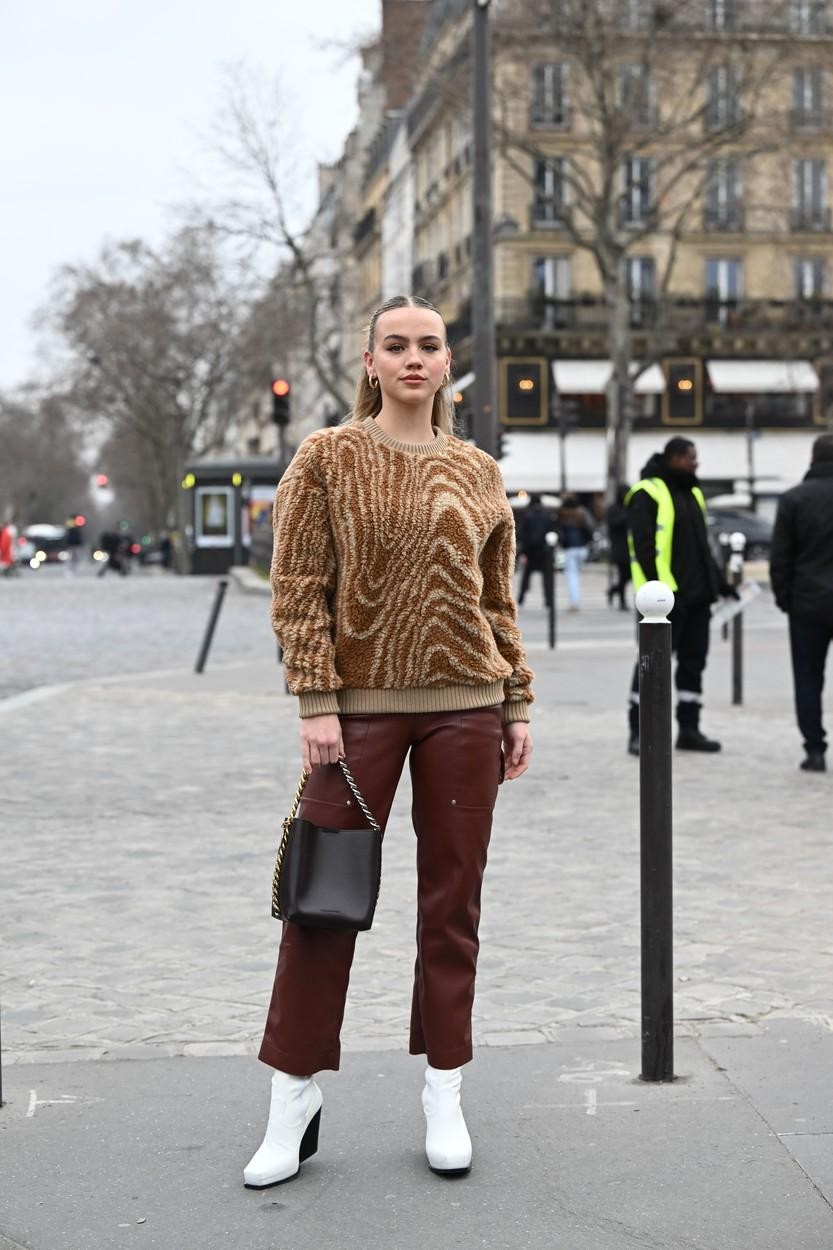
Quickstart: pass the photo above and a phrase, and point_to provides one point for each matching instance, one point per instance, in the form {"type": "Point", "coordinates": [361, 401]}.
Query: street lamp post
{"type": "Point", "coordinates": [484, 406]}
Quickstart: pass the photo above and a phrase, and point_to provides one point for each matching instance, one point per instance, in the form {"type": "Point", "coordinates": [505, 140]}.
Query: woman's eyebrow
{"type": "Point", "coordinates": [424, 338]}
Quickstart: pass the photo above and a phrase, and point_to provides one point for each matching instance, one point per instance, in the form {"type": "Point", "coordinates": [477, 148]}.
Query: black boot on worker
{"type": "Point", "coordinates": [690, 739]}
{"type": "Point", "coordinates": [814, 762]}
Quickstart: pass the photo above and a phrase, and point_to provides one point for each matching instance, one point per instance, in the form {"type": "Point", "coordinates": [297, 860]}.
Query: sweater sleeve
{"type": "Point", "coordinates": [303, 577]}
{"type": "Point", "coordinates": [497, 564]}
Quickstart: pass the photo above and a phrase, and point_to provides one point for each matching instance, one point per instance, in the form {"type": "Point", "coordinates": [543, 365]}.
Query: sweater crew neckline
{"type": "Point", "coordinates": [436, 448]}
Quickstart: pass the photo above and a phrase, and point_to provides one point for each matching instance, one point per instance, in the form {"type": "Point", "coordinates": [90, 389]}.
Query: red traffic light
{"type": "Point", "coordinates": [280, 387]}
{"type": "Point", "coordinates": [80, 520]}
{"type": "Point", "coordinates": [101, 479]}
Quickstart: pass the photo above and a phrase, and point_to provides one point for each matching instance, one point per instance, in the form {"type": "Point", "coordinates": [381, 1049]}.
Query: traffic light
{"type": "Point", "coordinates": [102, 480]}
{"type": "Point", "coordinates": [683, 398]}
{"type": "Point", "coordinates": [280, 401]}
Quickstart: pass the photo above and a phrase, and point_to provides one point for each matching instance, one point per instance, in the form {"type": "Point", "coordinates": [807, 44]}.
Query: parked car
{"type": "Point", "coordinates": [50, 541]}
{"type": "Point", "coordinates": [756, 529]}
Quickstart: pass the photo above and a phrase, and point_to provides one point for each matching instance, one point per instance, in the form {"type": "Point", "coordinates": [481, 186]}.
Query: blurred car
{"type": "Point", "coordinates": [756, 529]}
{"type": "Point", "coordinates": [24, 549]}
{"type": "Point", "coordinates": [50, 543]}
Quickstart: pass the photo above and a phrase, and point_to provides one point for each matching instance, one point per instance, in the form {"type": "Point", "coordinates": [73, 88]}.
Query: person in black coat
{"type": "Point", "coordinates": [801, 573]}
{"type": "Point", "coordinates": [691, 570]}
{"type": "Point", "coordinates": [536, 523]}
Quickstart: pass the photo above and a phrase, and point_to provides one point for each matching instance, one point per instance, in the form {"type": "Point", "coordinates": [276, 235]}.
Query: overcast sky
{"type": "Point", "coordinates": [105, 108]}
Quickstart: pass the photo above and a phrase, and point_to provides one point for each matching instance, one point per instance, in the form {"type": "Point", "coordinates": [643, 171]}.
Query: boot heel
{"type": "Point", "coordinates": [309, 1142]}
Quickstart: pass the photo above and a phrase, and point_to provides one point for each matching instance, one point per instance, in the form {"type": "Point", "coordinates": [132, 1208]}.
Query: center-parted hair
{"type": "Point", "coordinates": [368, 399]}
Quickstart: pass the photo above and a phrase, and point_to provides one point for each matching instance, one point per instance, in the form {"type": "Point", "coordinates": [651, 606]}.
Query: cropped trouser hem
{"type": "Point", "coordinates": [328, 1059]}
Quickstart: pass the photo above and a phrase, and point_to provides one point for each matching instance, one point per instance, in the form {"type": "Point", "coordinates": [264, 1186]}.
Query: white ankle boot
{"type": "Point", "coordinates": [447, 1141]}
{"type": "Point", "coordinates": [291, 1134]}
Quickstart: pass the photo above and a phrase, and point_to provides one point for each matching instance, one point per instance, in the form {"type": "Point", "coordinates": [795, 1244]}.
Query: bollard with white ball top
{"type": "Point", "coordinates": [552, 542]}
{"type": "Point", "coordinates": [737, 545]}
{"type": "Point", "coordinates": [654, 601]}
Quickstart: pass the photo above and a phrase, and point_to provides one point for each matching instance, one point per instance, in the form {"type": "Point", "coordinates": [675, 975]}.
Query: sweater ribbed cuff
{"type": "Point", "coordinates": [318, 703]}
{"type": "Point", "coordinates": [518, 709]}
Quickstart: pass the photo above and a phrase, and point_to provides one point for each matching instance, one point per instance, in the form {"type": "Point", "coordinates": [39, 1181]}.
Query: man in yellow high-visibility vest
{"type": "Point", "coordinates": [669, 543]}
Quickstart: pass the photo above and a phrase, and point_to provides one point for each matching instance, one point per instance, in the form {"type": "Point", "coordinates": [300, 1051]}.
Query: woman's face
{"type": "Point", "coordinates": [409, 354]}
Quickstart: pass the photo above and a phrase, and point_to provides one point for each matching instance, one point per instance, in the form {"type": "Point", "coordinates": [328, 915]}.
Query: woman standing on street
{"type": "Point", "coordinates": [392, 598]}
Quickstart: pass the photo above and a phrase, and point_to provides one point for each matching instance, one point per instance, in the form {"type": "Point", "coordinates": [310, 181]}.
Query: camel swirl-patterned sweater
{"type": "Point", "coordinates": [392, 577]}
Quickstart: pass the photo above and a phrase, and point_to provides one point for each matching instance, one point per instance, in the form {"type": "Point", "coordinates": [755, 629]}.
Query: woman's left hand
{"type": "Point", "coordinates": [517, 749]}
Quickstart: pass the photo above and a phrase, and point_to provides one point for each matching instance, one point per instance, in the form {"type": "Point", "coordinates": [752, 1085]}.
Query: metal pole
{"type": "Point", "coordinates": [723, 539]}
{"type": "Point", "coordinates": [654, 601]}
{"type": "Point", "coordinates": [552, 543]}
{"type": "Point", "coordinates": [738, 544]}
{"type": "Point", "coordinates": [212, 622]}
{"type": "Point", "coordinates": [484, 403]}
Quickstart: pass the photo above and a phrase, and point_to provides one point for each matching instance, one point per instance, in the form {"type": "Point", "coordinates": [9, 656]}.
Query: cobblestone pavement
{"type": "Point", "coordinates": [141, 815]}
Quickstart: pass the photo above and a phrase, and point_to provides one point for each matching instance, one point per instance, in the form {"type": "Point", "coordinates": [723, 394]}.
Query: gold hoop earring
{"type": "Point", "coordinates": [373, 380]}
{"type": "Point", "coordinates": [447, 377]}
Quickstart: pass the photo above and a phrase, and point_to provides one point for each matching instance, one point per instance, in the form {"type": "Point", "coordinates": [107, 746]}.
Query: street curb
{"type": "Point", "coordinates": [248, 581]}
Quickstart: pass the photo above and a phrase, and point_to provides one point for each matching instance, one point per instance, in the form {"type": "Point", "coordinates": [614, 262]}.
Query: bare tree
{"type": "Point", "coordinates": [254, 206]}
{"type": "Point", "coordinates": [652, 99]}
{"type": "Point", "coordinates": [152, 340]}
{"type": "Point", "coordinates": [42, 479]}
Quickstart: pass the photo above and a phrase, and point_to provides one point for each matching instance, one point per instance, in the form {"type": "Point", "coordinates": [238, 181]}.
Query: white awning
{"type": "Point", "coordinates": [591, 377]}
{"type": "Point", "coordinates": [754, 377]}
{"type": "Point", "coordinates": [460, 384]}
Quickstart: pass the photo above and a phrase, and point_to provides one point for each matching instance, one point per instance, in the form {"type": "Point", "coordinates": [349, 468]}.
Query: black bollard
{"type": "Point", "coordinates": [212, 622]}
{"type": "Point", "coordinates": [552, 578]}
{"type": "Point", "coordinates": [723, 539]}
{"type": "Point", "coordinates": [654, 601]}
{"type": "Point", "coordinates": [738, 545]}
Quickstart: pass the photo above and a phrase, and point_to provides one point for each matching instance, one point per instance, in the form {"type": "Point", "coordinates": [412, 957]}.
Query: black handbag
{"type": "Point", "coordinates": [327, 878]}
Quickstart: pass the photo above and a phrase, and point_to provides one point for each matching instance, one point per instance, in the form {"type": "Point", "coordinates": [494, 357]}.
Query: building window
{"type": "Point", "coordinates": [636, 95]}
{"type": "Point", "coordinates": [722, 14]}
{"type": "Point", "coordinates": [808, 91]}
{"type": "Point", "coordinates": [642, 288]}
{"type": "Point", "coordinates": [809, 275]}
{"type": "Point", "coordinates": [810, 210]}
{"type": "Point", "coordinates": [808, 17]}
{"type": "Point", "coordinates": [638, 191]}
{"type": "Point", "coordinates": [550, 192]}
{"type": "Point", "coordinates": [722, 98]}
{"type": "Point", "coordinates": [723, 209]}
{"type": "Point", "coordinates": [551, 285]}
{"type": "Point", "coordinates": [636, 14]}
{"type": "Point", "coordinates": [549, 95]}
{"type": "Point", "coordinates": [724, 287]}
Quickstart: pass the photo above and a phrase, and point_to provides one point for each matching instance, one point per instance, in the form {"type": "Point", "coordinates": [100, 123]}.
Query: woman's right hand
{"type": "Point", "coordinates": [321, 741]}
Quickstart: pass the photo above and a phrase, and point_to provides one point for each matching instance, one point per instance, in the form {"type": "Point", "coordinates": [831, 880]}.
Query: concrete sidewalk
{"type": "Point", "coordinates": [570, 1151]}
{"type": "Point", "coordinates": [141, 817]}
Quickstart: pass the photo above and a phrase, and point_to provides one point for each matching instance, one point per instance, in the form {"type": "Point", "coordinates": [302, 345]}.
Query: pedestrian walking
{"type": "Point", "coordinates": [801, 574]}
{"type": "Point", "coordinates": [575, 529]}
{"type": "Point", "coordinates": [619, 558]}
{"type": "Point", "coordinates": [536, 523]}
{"type": "Point", "coordinates": [8, 565]}
{"type": "Point", "coordinates": [669, 543]}
{"type": "Point", "coordinates": [392, 599]}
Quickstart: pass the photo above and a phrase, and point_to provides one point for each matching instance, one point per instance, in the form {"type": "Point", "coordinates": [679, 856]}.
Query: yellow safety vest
{"type": "Point", "coordinates": [661, 494]}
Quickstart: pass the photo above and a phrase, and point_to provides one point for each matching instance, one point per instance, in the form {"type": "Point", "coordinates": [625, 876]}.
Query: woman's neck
{"type": "Point", "coordinates": [406, 425]}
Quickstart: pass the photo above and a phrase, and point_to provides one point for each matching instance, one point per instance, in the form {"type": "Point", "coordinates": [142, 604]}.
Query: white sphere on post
{"type": "Point", "coordinates": [654, 601]}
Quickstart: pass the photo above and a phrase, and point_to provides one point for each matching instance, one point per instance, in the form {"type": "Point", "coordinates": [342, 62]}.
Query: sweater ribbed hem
{"type": "Point", "coordinates": [372, 702]}
{"type": "Point", "coordinates": [437, 447]}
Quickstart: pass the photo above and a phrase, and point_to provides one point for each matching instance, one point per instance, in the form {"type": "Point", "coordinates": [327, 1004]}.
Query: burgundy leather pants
{"type": "Point", "coordinates": [456, 766]}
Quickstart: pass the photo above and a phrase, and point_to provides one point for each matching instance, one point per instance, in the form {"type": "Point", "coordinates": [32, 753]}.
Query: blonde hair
{"type": "Point", "coordinates": [368, 399]}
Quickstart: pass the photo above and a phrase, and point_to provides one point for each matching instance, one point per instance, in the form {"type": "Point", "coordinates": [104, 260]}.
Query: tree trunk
{"type": "Point", "coordinates": [619, 391]}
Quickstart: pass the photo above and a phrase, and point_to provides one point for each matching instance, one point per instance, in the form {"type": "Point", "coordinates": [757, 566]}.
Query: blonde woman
{"type": "Point", "coordinates": [392, 598]}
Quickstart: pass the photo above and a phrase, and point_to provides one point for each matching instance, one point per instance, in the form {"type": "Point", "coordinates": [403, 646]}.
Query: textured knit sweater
{"type": "Point", "coordinates": [392, 577]}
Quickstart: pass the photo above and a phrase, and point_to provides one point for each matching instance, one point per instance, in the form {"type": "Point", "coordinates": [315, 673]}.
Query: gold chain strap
{"type": "Point", "coordinates": [276, 879]}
